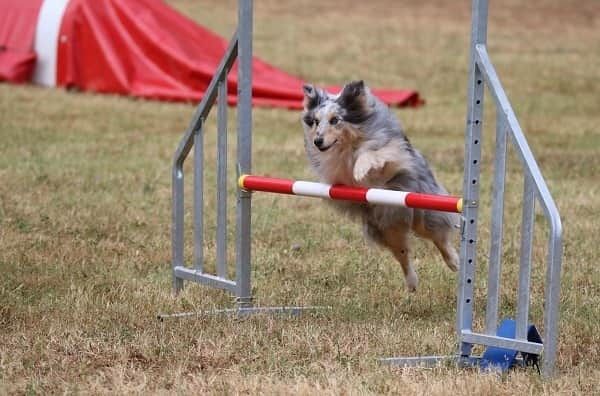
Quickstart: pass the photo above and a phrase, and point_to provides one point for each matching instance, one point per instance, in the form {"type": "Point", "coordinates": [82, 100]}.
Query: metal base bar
{"type": "Point", "coordinates": [292, 311]}
{"type": "Point", "coordinates": [443, 360]}
{"type": "Point", "coordinates": [419, 361]}
{"type": "Point", "coordinates": [204, 279]}
{"type": "Point", "coordinates": [433, 361]}
{"type": "Point", "coordinates": [502, 342]}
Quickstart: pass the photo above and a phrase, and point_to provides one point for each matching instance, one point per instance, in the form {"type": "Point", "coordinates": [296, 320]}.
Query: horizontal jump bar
{"type": "Point", "coordinates": [444, 203]}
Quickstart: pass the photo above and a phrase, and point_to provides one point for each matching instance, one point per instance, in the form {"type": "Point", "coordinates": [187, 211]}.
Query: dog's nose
{"type": "Point", "coordinates": [318, 141]}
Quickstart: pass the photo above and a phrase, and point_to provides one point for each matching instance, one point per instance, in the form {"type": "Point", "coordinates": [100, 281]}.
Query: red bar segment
{"type": "Point", "coordinates": [348, 193]}
{"type": "Point", "coordinates": [267, 184]}
{"type": "Point", "coordinates": [444, 203]}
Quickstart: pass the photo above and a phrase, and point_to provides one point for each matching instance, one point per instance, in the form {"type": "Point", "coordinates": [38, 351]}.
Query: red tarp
{"type": "Point", "coordinates": [145, 48]}
{"type": "Point", "coordinates": [18, 20]}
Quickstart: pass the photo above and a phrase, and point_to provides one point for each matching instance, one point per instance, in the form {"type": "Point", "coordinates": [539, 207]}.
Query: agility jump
{"type": "Point", "coordinates": [444, 203]}
{"type": "Point", "coordinates": [504, 340]}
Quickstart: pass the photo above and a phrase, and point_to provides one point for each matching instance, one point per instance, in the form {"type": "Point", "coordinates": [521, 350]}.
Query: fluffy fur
{"type": "Point", "coordinates": [353, 138]}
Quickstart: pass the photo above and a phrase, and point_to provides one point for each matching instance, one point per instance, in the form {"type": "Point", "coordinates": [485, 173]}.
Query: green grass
{"type": "Point", "coordinates": [85, 216]}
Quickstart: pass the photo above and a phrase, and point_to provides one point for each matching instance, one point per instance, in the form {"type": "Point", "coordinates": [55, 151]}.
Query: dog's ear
{"type": "Point", "coordinates": [353, 90]}
{"type": "Point", "coordinates": [354, 99]}
{"type": "Point", "coordinates": [312, 96]}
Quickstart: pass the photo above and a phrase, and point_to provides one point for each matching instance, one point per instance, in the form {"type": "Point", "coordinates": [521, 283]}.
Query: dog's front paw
{"type": "Point", "coordinates": [364, 165]}
{"type": "Point", "coordinates": [361, 170]}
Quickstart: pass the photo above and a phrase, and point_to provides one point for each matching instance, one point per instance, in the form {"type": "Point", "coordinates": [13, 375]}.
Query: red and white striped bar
{"type": "Point", "coordinates": [444, 203]}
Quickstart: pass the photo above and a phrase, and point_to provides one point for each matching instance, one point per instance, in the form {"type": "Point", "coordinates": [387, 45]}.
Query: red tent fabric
{"type": "Point", "coordinates": [17, 30]}
{"type": "Point", "coordinates": [145, 48]}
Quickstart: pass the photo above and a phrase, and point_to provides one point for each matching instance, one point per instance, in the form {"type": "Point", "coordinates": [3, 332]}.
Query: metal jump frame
{"type": "Point", "coordinates": [481, 73]}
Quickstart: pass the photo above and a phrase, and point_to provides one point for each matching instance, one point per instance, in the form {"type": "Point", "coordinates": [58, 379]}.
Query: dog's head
{"type": "Point", "coordinates": [332, 121]}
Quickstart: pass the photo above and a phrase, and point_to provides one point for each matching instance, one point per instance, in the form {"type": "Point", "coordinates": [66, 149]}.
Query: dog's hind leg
{"type": "Point", "coordinates": [396, 239]}
{"type": "Point", "coordinates": [442, 241]}
{"type": "Point", "coordinates": [437, 227]}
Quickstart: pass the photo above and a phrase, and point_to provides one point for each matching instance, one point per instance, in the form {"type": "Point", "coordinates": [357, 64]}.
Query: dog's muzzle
{"type": "Point", "coordinates": [319, 141]}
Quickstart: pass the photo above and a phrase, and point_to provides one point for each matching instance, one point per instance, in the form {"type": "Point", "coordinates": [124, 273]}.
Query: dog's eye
{"type": "Point", "coordinates": [308, 120]}
{"type": "Point", "coordinates": [316, 122]}
{"type": "Point", "coordinates": [334, 120]}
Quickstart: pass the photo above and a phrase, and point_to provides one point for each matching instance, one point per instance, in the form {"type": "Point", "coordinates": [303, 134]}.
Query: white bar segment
{"type": "Point", "coordinates": [386, 197]}
{"type": "Point", "coordinates": [46, 41]}
{"type": "Point", "coordinates": [311, 189]}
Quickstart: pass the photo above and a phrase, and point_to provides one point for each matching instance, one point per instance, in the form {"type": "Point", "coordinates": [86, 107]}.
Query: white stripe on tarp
{"type": "Point", "coordinates": [386, 197]}
{"type": "Point", "coordinates": [46, 41]}
{"type": "Point", "coordinates": [311, 189]}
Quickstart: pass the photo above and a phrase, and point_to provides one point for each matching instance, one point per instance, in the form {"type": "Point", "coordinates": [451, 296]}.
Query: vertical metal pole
{"type": "Point", "coordinates": [468, 251]}
{"type": "Point", "coordinates": [525, 261]}
{"type": "Point", "coordinates": [552, 297]}
{"type": "Point", "coordinates": [198, 199]}
{"type": "Point", "coordinates": [244, 152]}
{"type": "Point", "coordinates": [494, 270]}
{"type": "Point", "coordinates": [177, 223]}
{"type": "Point", "coordinates": [222, 180]}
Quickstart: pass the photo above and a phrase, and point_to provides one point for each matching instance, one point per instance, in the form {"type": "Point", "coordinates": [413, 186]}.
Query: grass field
{"type": "Point", "coordinates": [85, 216]}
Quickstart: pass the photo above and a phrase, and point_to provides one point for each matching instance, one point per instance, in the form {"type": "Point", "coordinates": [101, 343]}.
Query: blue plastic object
{"type": "Point", "coordinates": [502, 358]}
